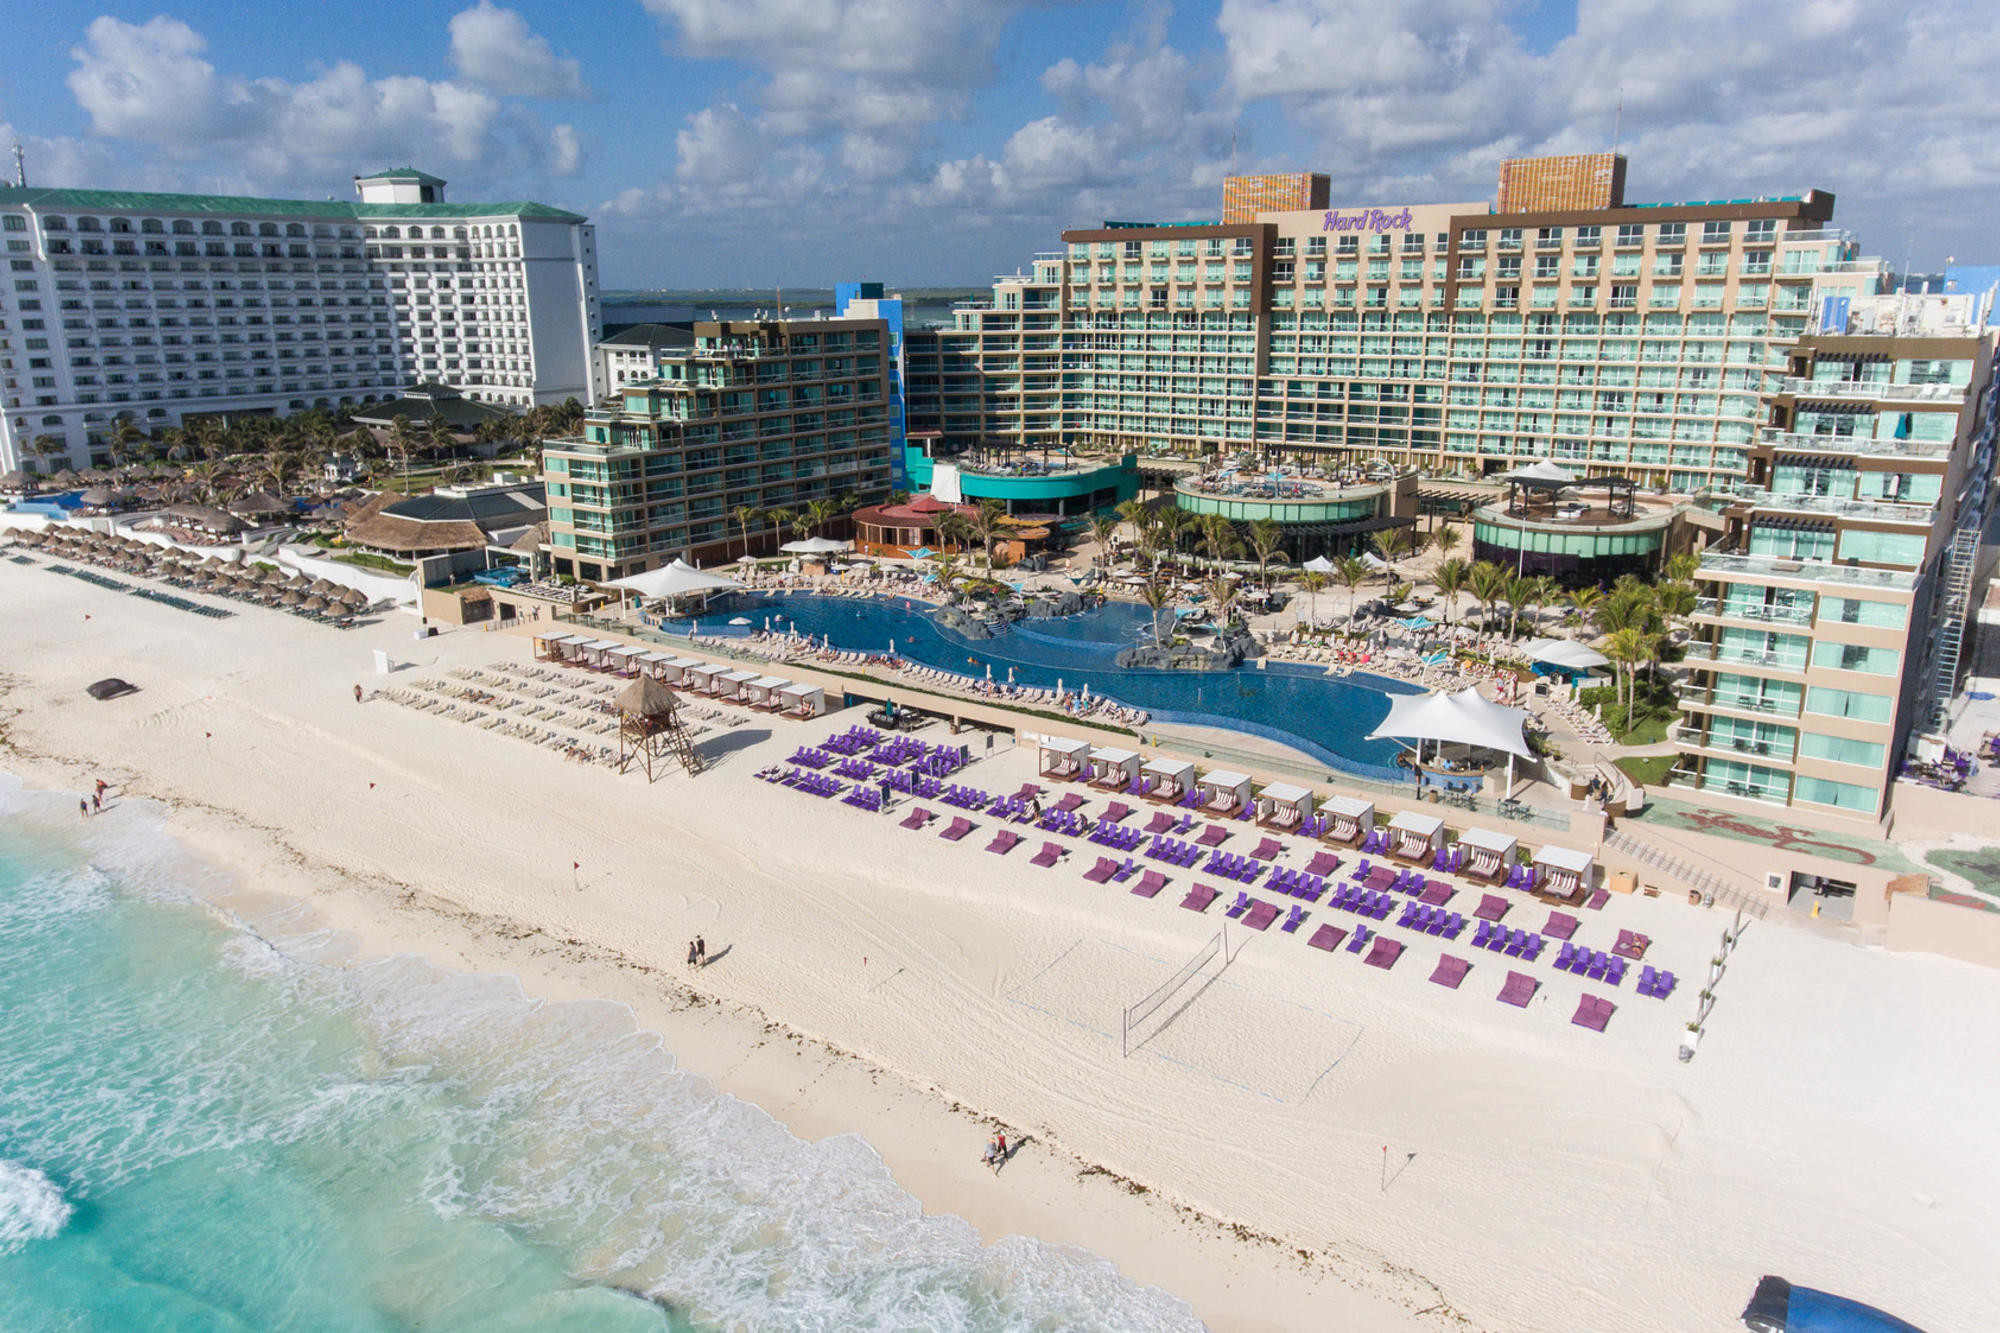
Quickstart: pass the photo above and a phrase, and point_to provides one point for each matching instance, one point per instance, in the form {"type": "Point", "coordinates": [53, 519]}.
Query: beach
{"type": "Point", "coordinates": [1309, 1143]}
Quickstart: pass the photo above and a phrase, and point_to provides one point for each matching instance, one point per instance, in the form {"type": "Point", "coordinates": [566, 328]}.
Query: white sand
{"type": "Point", "coordinates": [1539, 1176]}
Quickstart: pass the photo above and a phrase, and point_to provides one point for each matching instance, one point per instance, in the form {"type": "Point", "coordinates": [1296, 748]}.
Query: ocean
{"type": "Point", "coordinates": [205, 1129]}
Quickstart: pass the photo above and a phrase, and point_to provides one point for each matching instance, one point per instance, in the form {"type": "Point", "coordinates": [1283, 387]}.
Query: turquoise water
{"type": "Point", "coordinates": [1328, 717]}
{"type": "Point", "coordinates": [199, 1130]}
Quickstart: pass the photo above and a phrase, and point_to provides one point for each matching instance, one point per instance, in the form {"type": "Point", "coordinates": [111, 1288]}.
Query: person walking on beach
{"type": "Point", "coordinates": [83, 808]}
{"type": "Point", "coordinates": [101, 785]}
{"type": "Point", "coordinates": [996, 1151]}
{"type": "Point", "coordinates": [357, 694]}
{"type": "Point", "coordinates": [693, 956]}
{"type": "Point", "coordinates": [97, 803]}
{"type": "Point", "coordinates": [700, 952]}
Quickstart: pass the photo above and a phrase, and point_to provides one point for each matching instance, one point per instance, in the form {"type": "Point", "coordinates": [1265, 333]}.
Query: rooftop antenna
{"type": "Point", "coordinates": [20, 166]}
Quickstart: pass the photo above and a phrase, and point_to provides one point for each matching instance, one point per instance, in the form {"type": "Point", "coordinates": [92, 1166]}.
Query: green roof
{"type": "Point", "coordinates": [142, 201]}
{"type": "Point", "coordinates": [402, 174]}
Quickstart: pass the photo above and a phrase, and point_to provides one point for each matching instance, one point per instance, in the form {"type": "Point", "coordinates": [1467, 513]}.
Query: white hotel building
{"type": "Point", "coordinates": [155, 308]}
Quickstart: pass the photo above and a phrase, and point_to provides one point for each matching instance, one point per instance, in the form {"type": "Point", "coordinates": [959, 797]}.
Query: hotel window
{"type": "Point", "coordinates": [1857, 657]}
{"type": "Point", "coordinates": [1761, 229]}
{"type": "Point", "coordinates": [1588, 238]}
{"type": "Point", "coordinates": [1549, 237]}
{"type": "Point", "coordinates": [1715, 233]}
{"type": "Point", "coordinates": [1548, 266]}
{"type": "Point", "coordinates": [1631, 234]}
{"type": "Point", "coordinates": [1510, 238]}
{"type": "Point", "coordinates": [1850, 704]}
{"type": "Point", "coordinates": [1673, 233]}
{"type": "Point", "coordinates": [1846, 795]}
{"type": "Point", "coordinates": [1472, 240]}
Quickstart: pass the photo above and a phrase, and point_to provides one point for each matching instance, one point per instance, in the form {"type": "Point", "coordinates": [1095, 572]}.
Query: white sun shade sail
{"type": "Point", "coordinates": [675, 580]}
{"type": "Point", "coordinates": [1467, 718]}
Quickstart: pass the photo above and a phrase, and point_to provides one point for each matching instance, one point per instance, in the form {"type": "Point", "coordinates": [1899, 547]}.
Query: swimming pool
{"type": "Point", "coordinates": [1300, 706]}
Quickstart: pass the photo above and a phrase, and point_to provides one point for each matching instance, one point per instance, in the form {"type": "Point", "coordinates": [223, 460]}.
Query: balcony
{"type": "Point", "coordinates": [1707, 699]}
{"type": "Point", "coordinates": [1711, 608]}
{"type": "Point", "coordinates": [1744, 790]}
{"type": "Point", "coordinates": [1919, 515]}
{"type": "Point", "coordinates": [1739, 656]}
{"type": "Point", "coordinates": [1738, 747]}
{"type": "Point", "coordinates": [1872, 390]}
{"type": "Point", "coordinates": [1792, 442]}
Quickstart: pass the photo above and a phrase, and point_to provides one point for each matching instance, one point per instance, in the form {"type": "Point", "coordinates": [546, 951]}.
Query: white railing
{"type": "Point", "coordinates": [1873, 389]}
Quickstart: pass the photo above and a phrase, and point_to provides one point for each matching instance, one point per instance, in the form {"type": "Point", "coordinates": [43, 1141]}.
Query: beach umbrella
{"type": "Point", "coordinates": [292, 597]}
{"type": "Point", "coordinates": [314, 603]}
{"type": "Point", "coordinates": [322, 585]}
{"type": "Point", "coordinates": [739, 620]}
{"type": "Point", "coordinates": [355, 597]}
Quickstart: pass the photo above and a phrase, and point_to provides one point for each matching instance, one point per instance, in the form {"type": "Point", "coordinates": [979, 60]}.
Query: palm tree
{"type": "Point", "coordinates": [1103, 529]}
{"type": "Point", "coordinates": [1488, 584]}
{"type": "Point", "coordinates": [46, 447]}
{"type": "Point", "coordinates": [802, 524]}
{"type": "Point", "coordinates": [1175, 523]}
{"type": "Point", "coordinates": [1520, 591]}
{"type": "Point", "coordinates": [207, 478]}
{"type": "Point", "coordinates": [987, 525]}
{"type": "Point", "coordinates": [1451, 577]}
{"type": "Point", "coordinates": [1625, 647]}
{"type": "Point", "coordinates": [1446, 537]}
{"type": "Point", "coordinates": [1222, 595]}
{"type": "Point", "coordinates": [1352, 571]}
{"type": "Point", "coordinates": [779, 519]}
{"type": "Point", "coordinates": [1314, 582]}
{"type": "Point", "coordinates": [1681, 567]}
{"type": "Point", "coordinates": [954, 533]}
{"type": "Point", "coordinates": [401, 444]}
{"type": "Point", "coordinates": [948, 572]}
{"type": "Point", "coordinates": [1265, 534]}
{"type": "Point", "coordinates": [745, 515]}
{"type": "Point", "coordinates": [1218, 537]}
{"type": "Point", "coordinates": [126, 441]}
{"type": "Point", "coordinates": [818, 512]}
{"type": "Point", "coordinates": [1586, 600]}
{"type": "Point", "coordinates": [1157, 596]}
{"type": "Point", "coordinates": [438, 437]}
{"type": "Point", "coordinates": [1674, 600]}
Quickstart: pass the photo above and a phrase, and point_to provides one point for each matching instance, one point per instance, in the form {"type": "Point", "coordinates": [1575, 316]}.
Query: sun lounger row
{"type": "Point", "coordinates": [965, 798]}
{"type": "Point", "coordinates": [864, 797]}
{"type": "Point", "coordinates": [1231, 866]}
{"type": "Point", "coordinates": [1116, 836]}
{"type": "Point", "coordinates": [1174, 852]}
{"type": "Point", "coordinates": [813, 784]}
{"type": "Point", "coordinates": [1297, 883]}
{"type": "Point", "coordinates": [811, 757]}
{"type": "Point", "coordinates": [1061, 821]}
{"type": "Point", "coordinates": [854, 740]}
{"type": "Point", "coordinates": [858, 770]}
{"type": "Point", "coordinates": [1366, 902]}
{"type": "Point", "coordinates": [1010, 808]}
{"type": "Point", "coordinates": [1659, 985]}
{"type": "Point", "coordinates": [1513, 943]}
{"type": "Point", "coordinates": [1431, 920]}
{"type": "Point", "coordinates": [1598, 966]}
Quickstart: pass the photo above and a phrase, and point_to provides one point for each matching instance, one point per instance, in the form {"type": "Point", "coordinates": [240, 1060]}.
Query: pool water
{"type": "Point", "coordinates": [1300, 706]}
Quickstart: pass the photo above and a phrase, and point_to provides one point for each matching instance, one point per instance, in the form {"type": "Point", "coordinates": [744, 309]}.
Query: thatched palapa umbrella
{"type": "Point", "coordinates": [293, 598]}
{"type": "Point", "coordinates": [313, 603]}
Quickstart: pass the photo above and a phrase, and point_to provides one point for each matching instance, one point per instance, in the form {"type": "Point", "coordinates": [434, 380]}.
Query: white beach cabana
{"type": "Point", "coordinates": [676, 668]}
{"type": "Point", "coordinates": [1283, 805]}
{"type": "Point", "coordinates": [803, 700]}
{"type": "Point", "coordinates": [1166, 779]}
{"type": "Point", "coordinates": [1113, 769]}
{"type": "Point", "coordinates": [549, 647]}
{"type": "Point", "coordinates": [699, 677]}
{"type": "Point", "coordinates": [1064, 759]}
{"type": "Point", "coordinates": [1489, 855]}
{"type": "Point", "coordinates": [1350, 819]}
{"type": "Point", "coordinates": [762, 692]}
{"type": "Point", "coordinates": [1415, 837]}
{"type": "Point", "coordinates": [624, 657]}
{"type": "Point", "coordinates": [1223, 792]}
{"type": "Point", "coordinates": [653, 664]}
{"type": "Point", "coordinates": [729, 684]}
{"type": "Point", "coordinates": [1563, 871]}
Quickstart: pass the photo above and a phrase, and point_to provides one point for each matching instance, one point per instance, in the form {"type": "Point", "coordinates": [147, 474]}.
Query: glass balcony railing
{"type": "Point", "coordinates": [1762, 613]}
{"type": "Point", "coordinates": [1868, 446]}
{"type": "Point", "coordinates": [1696, 696]}
{"type": "Point", "coordinates": [1873, 390]}
{"type": "Point", "coordinates": [1724, 655]}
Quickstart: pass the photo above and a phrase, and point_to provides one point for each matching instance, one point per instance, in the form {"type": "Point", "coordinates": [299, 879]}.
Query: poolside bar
{"type": "Point", "coordinates": [1166, 779]}
{"type": "Point", "coordinates": [1066, 760]}
{"type": "Point", "coordinates": [1563, 871]}
{"type": "Point", "coordinates": [1349, 820]}
{"type": "Point", "coordinates": [1113, 770]}
{"type": "Point", "coordinates": [1223, 792]}
{"type": "Point", "coordinates": [1489, 855]}
{"type": "Point", "coordinates": [1283, 806]}
{"type": "Point", "coordinates": [1415, 837]}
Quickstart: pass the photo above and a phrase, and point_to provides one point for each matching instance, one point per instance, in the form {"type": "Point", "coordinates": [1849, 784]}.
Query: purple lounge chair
{"type": "Point", "coordinates": [1212, 836]}
{"type": "Point", "coordinates": [1561, 925]}
{"type": "Point", "coordinates": [1069, 802]}
{"type": "Point", "coordinates": [1261, 914]}
{"type": "Point", "coordinates": [1199, 897]}
{"type": "Point", "coordinates": [1384, 953]}
{"type": "Point", "coordinates": [1597, 900]}
{"type": "Point", "coordinates": [1268, 850]}
{"type": "Point", "coordinates": [1450, 971]}
{"type": "Point", "coordinates": [1102, 872]}
{"type": "Point", "coordinates": [1361, 937]}
{"type": "Point", "coordinates": [1327, 937]}
{"type": "Point", "coordinates": [960, 826]}
{"type": "Point", "coordinates": [916, 819]}
{"type": "Point", "coordinates": [1149, 884]}
{"type": "Point", "coordinates": [1437, 893]}
{"type": "Point", "coordinates": [1520, 989]}
{"type": "Point", "coordinates": [1663, 985]}
{"type": "Point", "coordinates": [1295, 920]}
{"type": "Point", "coordinates": [1162, 821]}
{"type": "Point", "coordinates": [1239, 907]}
{"type": "Point", "coordinates": [1490, 908]}
{"type": "Point", "coordinates": [1116, 811]}
{"type": "Point", "coordinates": [1323, 864]}
{"type": "Point", "coordinates": [1593, 1012]}
{"type": "Point", "coordinates": [1050, 854]}
{"type": "Point", "coordinates": [1003, 842]}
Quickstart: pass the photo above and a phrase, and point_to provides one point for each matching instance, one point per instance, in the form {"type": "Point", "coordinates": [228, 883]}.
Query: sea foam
{"type": "Point", "coordinates": [32, 1206]}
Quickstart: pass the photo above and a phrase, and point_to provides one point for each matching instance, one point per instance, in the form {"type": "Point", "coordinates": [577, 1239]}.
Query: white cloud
{"type": "Point", "coordinates": [151, 84]}
{"type": "Point", "coordinates": [495, 48]}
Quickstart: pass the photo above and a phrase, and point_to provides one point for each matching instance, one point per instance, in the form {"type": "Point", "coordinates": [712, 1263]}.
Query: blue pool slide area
{"type": "Point", "coordinates": [1296, 705]}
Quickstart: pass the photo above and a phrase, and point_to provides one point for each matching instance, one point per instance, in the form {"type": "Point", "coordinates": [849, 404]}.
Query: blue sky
{"type": "Point", "coordinates": [752, 142]}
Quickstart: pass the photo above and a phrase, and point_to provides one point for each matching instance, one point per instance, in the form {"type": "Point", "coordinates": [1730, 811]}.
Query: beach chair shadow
{"type": "Point", "coordinates": [728, 743]}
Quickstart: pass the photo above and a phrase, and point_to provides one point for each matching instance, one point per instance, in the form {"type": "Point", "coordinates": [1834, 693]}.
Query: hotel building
{"type": "Point", "coordinates": [1833, 615]}
{"type": "Point", "coordinates": [1451, 337]}
{"type": "Point", "coordinates": [154, 308]}
{"type": "Point", "coordinates": [769, 414]}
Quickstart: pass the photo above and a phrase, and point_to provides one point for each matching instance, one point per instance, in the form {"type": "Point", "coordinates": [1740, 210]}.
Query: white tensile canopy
{"type": "Point", "coordinates": [675, 580]}
{"type": "Point", "coordinates": [1542, 471]}
{"type": "Point", "coordinates": [1319, 564]}
{"type": "Point", "coordinates": [1467, 718]}
{"type": "Point", "coordinates": [813, 546]}
{"type": "Point", "coordinates": [1566, 653]}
